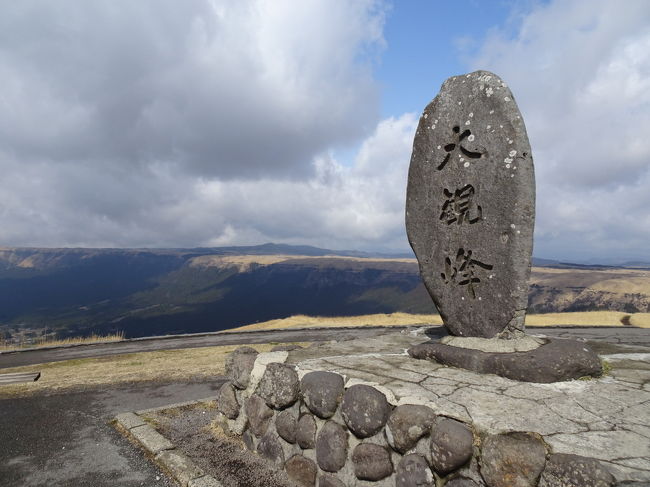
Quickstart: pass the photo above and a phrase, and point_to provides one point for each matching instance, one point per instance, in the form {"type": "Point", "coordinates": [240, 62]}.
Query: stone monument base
{"type": "Point", "coordinates": [527, 358]}
{"type": "Point", "coordinates": [365, 413]}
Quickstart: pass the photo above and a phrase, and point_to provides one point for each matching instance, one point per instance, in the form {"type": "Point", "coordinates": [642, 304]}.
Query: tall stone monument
{"type": "Point", "coordinates": [470, 206]}
{"type": "Point", "coordinates": [470, 215]}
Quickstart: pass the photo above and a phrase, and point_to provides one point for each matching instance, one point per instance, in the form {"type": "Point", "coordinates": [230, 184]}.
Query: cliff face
{"type": "Point", "coordinates": [558, 290]}
{"type": "Point", "coordinates": [145, 292]}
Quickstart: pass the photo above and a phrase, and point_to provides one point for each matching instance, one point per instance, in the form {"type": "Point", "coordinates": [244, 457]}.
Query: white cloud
{"type": "Point", "coordinates": [155, 123]}
{"type": "Point", "coordinates": [224, 88]}
{"type": "Point", "coordinates": [359, 207]}
{"type": "Point", "coordinates": [207, 122]}
{"type": "Point", "coordinates": [581, 74]}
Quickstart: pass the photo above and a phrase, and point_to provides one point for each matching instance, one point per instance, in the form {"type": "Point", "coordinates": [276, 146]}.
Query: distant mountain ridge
{"type": "Point", "coordinates": [159, 291]}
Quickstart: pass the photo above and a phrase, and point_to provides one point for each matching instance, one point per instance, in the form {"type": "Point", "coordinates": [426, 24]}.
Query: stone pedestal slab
{"type": "Point", "coordinates": [556, 360]}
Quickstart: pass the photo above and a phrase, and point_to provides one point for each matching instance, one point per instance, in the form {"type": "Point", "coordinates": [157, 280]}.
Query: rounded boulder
{"type": "Point", "coordinates": [279, 385]}
{"type": "Point", "coordinates": [259, 415]}
{"type": "Point", "coordinates": [413, 470]}
{"type": "Point", "coordinates": [301, 470]}
{"type": "Point", "coordinates": [371, 462]}
{"type": "Point", "coordinates": [306, 431]}
{"type": "Point", "coordinates": [331, 447]}
{"type": "Point", "coordinates": [365, 410]}
{"type": "Point", "coordinates": [322, 392]}
{"type": "Point", "coordinates": [286, 424]}
{"type": "Point", "coordinates": [270, 448]}
{"type": "Point", "coordinates": [327, 480]}
{"type": "Point", "coordinates": [451, 445]}
{"type": "Point", "coordinates": [239, 365]}
{"type": "Point", "coordinates": [515, 459]}
{"type": "Point", "coordinates": [407, 424]}
{"type": "Point", "coordinates": [227, 401]}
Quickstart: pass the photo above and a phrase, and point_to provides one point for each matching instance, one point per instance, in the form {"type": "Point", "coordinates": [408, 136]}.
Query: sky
{"type": "Point", "coordinates": [202, 123]}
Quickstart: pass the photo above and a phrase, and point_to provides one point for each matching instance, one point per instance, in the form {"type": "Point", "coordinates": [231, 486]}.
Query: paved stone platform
{"type": "Point", "coordinates": [607, 418]}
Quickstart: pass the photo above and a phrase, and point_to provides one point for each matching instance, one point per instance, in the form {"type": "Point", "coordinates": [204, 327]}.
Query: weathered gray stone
{"type": "Point", "coordinates": [259, 414]}
{"type": "Point", "coordinates": [564, 470]}
{"type": "Point", "coordinates": [279, 385]}
{"type": "Point", "coordinates": [180, 466]}
{"type": "Point", "coordinates": [470, 472]}
{"type": "Point", "coordinates": [407, 424]}
{"type": "Point", "coordinates": [515, 459]}
{"type": "Point", "coordinates": [328, 480]}
{"type": "Point", "coordinates": [365, 410]}
{"type": "Point", "coordinates": [523, 343]}
{"type": "Point", "coordinates": [461, 482]}
{"type": "Point", "coordinates": [270, 448]}
{"type": "Point", "coordinates": [371, 462]}
{"type": "Point", "coordinates": [301, 470]}
{"type": "Point", "coordinates": [558, 360]}
{"type": "Point", "coordinates": [331, 447]}
{"type": "Point", "coordinates": [249, 440]}
{"type": "Point", "coordinates": [322, 392]}
{"type": "Point", "coordinates": [451, 445]}
{"type": "Point", "coordinates": [239, 365]}
{"type": "Point", "coordinates": [306, 431]}
{"type": "Point", "coordinates": [227, 401]}
{"type": "Point", "coordinates": [413, 471]}
{"type": "Point", "coordinates": [286, 424]}
{"type": "Point", "coordinates": [150, 439]}
{"type": "Point", "coordinates": [130, 420]}
{"type": "Point", "coordinates": [470, 206]}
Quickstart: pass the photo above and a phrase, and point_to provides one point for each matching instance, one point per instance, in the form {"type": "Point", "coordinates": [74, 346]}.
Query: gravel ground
{"type": "Point", "coordinates": [225, 459]}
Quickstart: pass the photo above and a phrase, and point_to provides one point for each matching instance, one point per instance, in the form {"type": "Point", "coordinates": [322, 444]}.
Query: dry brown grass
{"type": "Point", "coordinates": [164, 365]}
{"type": "Point", "coordinates": [616, 281]}
{"type": "Point", "coordinates": [589, 318]}
{"type": "Point", "coordinates": [642, 320]}
{"type": "Point", "coordinates": [243, 262]}
{"type": "Point", "coordinates": [51, 342]}
{"type": "Point", "coordinates": [302, 321]}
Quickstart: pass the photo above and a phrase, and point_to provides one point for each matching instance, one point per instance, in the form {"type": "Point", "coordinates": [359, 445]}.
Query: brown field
{"type": "Point", "coordinates": [589, 318]}
{"type": "Point", "coordinates": [165, 365]}
{"type": "Point", "coordinates": [302, 321]}
{"type": "Point", "coordinates": [53, 342]}
{"type": "Point", "coordinates": [243, 262]}
{"type": "Point", "coordinates": [617, 280]}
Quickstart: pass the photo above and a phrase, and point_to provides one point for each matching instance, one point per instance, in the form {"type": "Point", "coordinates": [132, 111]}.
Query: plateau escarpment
{"type": "Point", "coordinates": [145, 292]}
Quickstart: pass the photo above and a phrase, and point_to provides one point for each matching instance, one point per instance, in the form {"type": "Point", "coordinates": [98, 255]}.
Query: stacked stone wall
{"type": "Point", "coordinates": [328, 432]}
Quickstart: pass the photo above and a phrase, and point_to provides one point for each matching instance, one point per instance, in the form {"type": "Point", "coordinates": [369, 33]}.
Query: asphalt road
{"type": "Point", "coordinates": [65, 439]}
{"type": "Point", "coordinates": [15, 359]}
